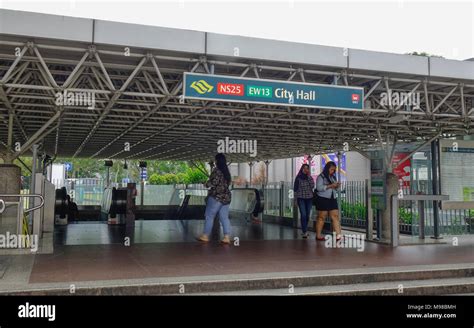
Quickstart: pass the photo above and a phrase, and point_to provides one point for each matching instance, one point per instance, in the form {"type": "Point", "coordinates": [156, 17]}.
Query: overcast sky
{"type": "Point", "coordinates": [444, 28]}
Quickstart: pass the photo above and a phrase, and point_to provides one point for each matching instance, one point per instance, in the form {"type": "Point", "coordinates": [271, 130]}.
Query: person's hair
{"type": "Point", "coordinates": [300, 172]}
{"type": "Point", "coordinates": [221, 165]}
{"type": "Point", "coordinates": [326, 169]}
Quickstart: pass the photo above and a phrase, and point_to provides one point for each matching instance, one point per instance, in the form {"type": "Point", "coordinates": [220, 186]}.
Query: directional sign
{"type": "Point", "coordinates": [68, 166]}
{"type": "Point", "coordinates": [378, 179]}
{"type": "Point", "coordinates": [272, 92]}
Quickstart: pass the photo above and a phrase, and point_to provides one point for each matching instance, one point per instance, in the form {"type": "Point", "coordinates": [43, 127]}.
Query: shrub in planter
{"type": "Point", "coordinates": [406, 216]}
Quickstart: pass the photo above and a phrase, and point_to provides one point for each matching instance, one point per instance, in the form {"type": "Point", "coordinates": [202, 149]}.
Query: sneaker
{"type": "Point", "coordinates": [226, 239]}
{"type": "Point", "coordinates": [305, 235]}
{"type": "Point", "coordinates": [203, 238]}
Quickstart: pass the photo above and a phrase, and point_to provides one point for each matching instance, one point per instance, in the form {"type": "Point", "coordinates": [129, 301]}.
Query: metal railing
{"type": "Point", "coordinates": [278, 203]}
{"type": "Point", "coordinates": [451, 221]}
{"type": "Point", "coordinates": [421, 200]}
{"type": "Point", "coordinates": [353, 204]}
{"type": "Point", "coordinates": [353, 201]}
{"type": "Point", "coordinates": [83, 191]}
{"type": "Point", "coordinates": [278, 199]}
{"type": "Point", "coordinates": [22, 223]}
{"type": "Point", "coordinates": [21, 196]}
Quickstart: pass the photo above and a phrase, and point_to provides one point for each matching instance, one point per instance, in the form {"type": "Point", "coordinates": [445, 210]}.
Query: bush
{"type": "Point", "coordinates": [191, 176]}
{"type": "Point", "coordinates": [405, 216]}
{"type": "Point", "coordinates": [356, 210]}
{"type": "Point", "coordinates": [182, 178]}
{"type": "Point", "coordinates": [195, 176]}
{"type": "Point", "coordinates": [156, 179]}
{"type": "Point", "coordinates": [170, 178]}
{"type": "Point", "coordinates": [163, 179]}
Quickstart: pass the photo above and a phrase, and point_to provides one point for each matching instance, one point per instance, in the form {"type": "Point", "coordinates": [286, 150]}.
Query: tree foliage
{"type": "Point", "coordinates": [159, 172]}
{"type": "Point", "coordinates": [424, 54]}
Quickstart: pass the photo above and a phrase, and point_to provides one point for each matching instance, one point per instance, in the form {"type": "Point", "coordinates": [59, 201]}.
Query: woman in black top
{"type": "Point", "coordinates": [218, 200]}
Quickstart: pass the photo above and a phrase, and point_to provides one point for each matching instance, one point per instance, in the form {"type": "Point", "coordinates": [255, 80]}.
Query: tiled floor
{"type": "Point", "coordinates": [164, 231]}
{"type": "Point", "coordinates": [168, 249]}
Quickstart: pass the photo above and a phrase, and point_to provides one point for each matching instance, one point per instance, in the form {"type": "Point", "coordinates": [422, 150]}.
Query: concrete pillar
{"type": "Point", "coordinates": [250, 173]}
{"type": "Point", "coordinates": [10, 181]}
{"type": "Point", "coordinates": [9, 156]}
{"type": "Point", "coordinates": [392, 189]}
{"type": "Point", "coordinates": [267, 164]}
{"type": "Point", "coordinates": [292, 175]}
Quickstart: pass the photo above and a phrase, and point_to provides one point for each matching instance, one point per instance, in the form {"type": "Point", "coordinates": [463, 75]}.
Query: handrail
{"type": "Point", "coordinates": [423, 197]}
{"type": "Point", "coordinates": [420, 199]}
{"type": "Point", "coordinates": [20, 195]}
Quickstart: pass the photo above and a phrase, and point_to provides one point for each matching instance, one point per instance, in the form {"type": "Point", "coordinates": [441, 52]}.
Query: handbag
{"type": "Point", "coordinates": [315, 197]}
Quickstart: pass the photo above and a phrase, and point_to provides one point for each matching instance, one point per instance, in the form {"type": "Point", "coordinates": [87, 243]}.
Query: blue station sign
{"type": "Point", "coordinates": [272, 92]}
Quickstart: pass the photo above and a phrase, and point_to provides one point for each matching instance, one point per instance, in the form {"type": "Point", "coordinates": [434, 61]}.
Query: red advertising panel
{"type": "Point", "coordinates": [402, 170]}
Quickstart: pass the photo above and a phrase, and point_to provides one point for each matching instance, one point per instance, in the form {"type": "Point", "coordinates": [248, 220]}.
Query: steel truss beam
{"type": "Point", "coordinates": [138, 102]}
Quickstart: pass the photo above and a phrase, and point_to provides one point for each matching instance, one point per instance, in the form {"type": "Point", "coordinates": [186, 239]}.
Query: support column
{"type": "Point", "coordinates": [369, 229]}
{"type": "Point", "coordinates": [143, 168]}
{"type": "Point", "coordinates": [392, 189]}
{"type": "Point", "coordinates": [142, 192]}
{"type": "Point", "coordinates": [267, 164]}
{"type": "Point", "coordinates": [34, 169]}
{"type": "Point", "coordinates": [107, 178]}
{"type": "Point", "coordinates": [10, 176]}
{"type": "Point", "coordinates": [108, 165]}
{"type": "Point", "coordinates": [292, 169]}
{"type": "Point", "coordinates": [435, 185]}
{"type": "Point", "coordinates": [250, 172]}
{"type": "Point", "coordinates": [131, 204]}
{"type": "Point", "coordinates": [8, 154]}
{"type": "Point", "coordinates": [10, 181]}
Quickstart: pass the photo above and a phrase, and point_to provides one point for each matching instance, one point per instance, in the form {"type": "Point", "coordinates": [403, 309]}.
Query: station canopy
{"type": "Point", "coordinates": [133, 77]}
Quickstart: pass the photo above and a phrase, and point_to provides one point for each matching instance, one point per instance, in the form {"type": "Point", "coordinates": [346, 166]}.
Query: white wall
{"type": "Point", "coordinates": [358, 168]}
{"type": "Point", "coordinates": [58, 174]}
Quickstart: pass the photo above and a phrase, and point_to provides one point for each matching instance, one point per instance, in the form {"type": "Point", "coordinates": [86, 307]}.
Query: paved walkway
{"type": "Point", "coordinates": [258, 253]}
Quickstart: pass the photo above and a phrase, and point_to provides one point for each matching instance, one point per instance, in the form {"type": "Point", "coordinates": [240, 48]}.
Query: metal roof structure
{"type": "Point", "coordinates": [135, 73]}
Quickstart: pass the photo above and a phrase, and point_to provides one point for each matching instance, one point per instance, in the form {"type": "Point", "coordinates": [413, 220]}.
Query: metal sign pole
{"type": "Point", "coordinates": [32, 180]}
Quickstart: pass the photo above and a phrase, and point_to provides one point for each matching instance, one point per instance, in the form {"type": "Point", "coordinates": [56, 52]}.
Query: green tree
{"type": "Point", "coordinates": [160, 172]}
{"type": "Point", "coordinates": [424, 54]}
{"type": "Point", "coordinates": [196, 176]}
{"type": "Point", "coordinates": [28, 162]}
